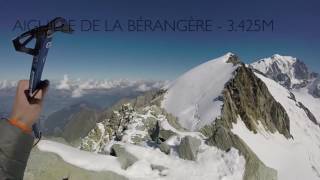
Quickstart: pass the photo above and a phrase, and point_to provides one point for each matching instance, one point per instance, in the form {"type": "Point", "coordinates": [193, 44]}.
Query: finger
{"type": "Point", "coordinates": [33, 100]}
{"type": "Point", "coordinates": [23, 85]}
{"type": "Point", "coordinates": [42, 90]}
{"type": "Point", "coordinates": [44, 87]}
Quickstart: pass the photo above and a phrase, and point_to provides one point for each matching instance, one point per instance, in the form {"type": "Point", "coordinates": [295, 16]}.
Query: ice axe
{"type": "Point", "coordinates": [43, 37]}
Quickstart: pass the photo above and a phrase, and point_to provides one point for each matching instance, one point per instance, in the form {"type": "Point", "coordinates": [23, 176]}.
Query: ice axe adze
{"type": "Point", "coordinates": [43, 37]}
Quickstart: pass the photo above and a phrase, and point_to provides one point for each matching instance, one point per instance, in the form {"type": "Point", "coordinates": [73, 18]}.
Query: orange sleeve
{"type": "Point", "coordinates": [21, 125]}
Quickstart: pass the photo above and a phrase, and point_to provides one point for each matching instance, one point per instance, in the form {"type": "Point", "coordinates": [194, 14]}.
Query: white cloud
{"type": "Point", "coordinates": [77, 93]}
{"type": "Point", "coordinates": [5, 84]}
{"type": "Point", "coordinates": [64, 83]}
{"type": "Point", "coordinates": [160, 84]}
{"type": "Point", "coordinates": [143, 88]}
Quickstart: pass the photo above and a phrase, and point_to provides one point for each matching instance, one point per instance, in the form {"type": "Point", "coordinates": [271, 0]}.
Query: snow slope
{"type": "Point", "coordinates": [84, 159]}
{"type": "Point", "coordinates": [313, 104]}
{"type": "Point", "coordinates": [294, 159]}
{"type": "Point", "coordinates": [212, 163]}
{"type": "Point", "coordinates": [193, 96]}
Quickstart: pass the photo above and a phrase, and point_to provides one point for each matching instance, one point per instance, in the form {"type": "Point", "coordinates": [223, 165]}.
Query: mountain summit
{"type": "Point", "coordinates": [288, 71]}
{"type": "Point", "coordinates": [195, 96]}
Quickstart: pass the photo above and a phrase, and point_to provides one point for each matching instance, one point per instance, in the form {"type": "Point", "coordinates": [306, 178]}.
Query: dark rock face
{"type": "Point", "coordinates": [275, 73]}
{"type": "Point", "coordinates": [301, 70]}
{"type": "Point", "coordinates": [314, 88]}
{"type": "Point", "coordinates": [309, 114]}
{"type": "Point", "coordinates": [188, 148]}
{"type": "Point", "coordinates": [247, 96]}
{"type": "Point", "coordinates": [154, 133]}
{"type": "Point", "coordinates": [165, 148]}
{"type": "Point", "coordinates": [125, 158]}
{"type": "Point", "coordinates": [234, 59]}
{"type": "Point", "coordinates": [314, 75]}
{"type": "Point", "coordinates": [165, 134]}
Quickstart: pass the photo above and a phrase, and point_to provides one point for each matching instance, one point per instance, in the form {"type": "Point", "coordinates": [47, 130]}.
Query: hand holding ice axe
{"type": "Point", "coordinates": [43, 36]}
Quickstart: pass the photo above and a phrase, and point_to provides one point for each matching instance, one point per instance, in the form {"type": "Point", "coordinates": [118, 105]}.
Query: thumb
{"type": "Point", "coordinates": [44, 86]}
{"type": "Point", "coordinates": [42, 90]}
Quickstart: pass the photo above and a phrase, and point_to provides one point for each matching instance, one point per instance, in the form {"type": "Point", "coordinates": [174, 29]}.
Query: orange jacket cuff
{"type": "Point", "coordinates": [21, 125]}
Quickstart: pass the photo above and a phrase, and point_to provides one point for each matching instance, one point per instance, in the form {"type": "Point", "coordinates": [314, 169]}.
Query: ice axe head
{"type": "Point", "coordinates": [40, 33]}
{"type": "Point", "coordinates": [59, 24]}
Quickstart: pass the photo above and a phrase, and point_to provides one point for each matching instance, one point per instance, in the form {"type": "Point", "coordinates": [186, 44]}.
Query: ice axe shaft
{"type": "Point", "coordinates": [43, 37]}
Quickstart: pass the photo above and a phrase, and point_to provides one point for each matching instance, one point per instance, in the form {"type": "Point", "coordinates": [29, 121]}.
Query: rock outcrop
{"type": "Point", "coordinates": [223, 138]}
{"type": "Point", "coordinates": [308, 113]}
{"type": "Point", "coordinates": [46, 165]}
{"type": "Point", "coordinates": [125, 158]}
{"type": "Point", "coordinates": [135, 125]}
{"type": "Point", "coordinates": [188, 148]}
{"type": "Point", "coordinates": [109, 129]}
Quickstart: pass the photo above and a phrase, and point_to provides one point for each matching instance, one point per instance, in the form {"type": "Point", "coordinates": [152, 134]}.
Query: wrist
{"type": "Point", "coordinates": [24, 127]}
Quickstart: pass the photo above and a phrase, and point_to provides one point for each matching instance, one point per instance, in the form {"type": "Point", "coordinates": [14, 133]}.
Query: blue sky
{"type": "Point", "coordinates": [158, 55]}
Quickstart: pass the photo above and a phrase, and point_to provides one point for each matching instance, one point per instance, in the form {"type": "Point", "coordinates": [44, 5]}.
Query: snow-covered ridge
{"type": "Point", "coordinates": [194, 96]}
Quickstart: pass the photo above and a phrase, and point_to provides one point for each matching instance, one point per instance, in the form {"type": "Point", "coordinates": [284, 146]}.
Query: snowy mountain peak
{"type": "Point", "coordinates": [290, 72]}
{"type": "Point", "coordinates": [194, 96]}
{"type": "Point", "coordinates": [287, 70]}
{"type": "Point", "coordinates": [229, 54]}
{"type": "Point", "coordinates": [278, 57]}
{"type": "Point", "coordinates": [278, 62]}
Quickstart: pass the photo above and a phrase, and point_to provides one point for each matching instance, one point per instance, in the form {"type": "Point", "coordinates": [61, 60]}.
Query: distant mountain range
{"type": "Point", "coordinates": [66, 92]}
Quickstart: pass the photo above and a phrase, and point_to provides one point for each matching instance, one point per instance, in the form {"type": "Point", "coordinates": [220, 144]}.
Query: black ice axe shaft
{"type": "Point", "coordinates": [43, 37]}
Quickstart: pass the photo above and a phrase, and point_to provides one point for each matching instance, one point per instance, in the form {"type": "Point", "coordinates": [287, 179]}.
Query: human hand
{"type": "Point", "coordinates": [27, 110]}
